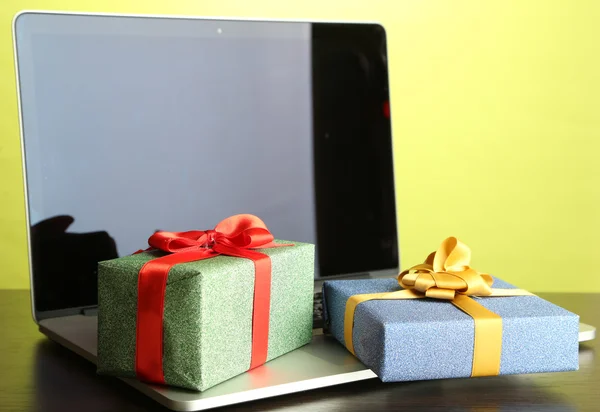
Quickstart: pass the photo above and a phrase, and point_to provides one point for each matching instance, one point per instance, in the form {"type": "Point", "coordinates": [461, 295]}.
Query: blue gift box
{"type": "Point", "coordinates": [421, 339]}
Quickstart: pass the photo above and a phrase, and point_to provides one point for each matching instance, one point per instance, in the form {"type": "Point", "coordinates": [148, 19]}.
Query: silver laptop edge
{"type": "Point", "coordinates": [321, 363]}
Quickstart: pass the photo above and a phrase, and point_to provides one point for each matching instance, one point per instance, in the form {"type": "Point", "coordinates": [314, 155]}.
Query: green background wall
{"type": "Point", "coordinates": [496, 122]}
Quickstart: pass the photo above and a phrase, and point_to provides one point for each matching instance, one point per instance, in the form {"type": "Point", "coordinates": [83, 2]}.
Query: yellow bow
{"type": "Point", "coordinates": [447, 272]}
{"type": "Point", "coordinates": [446, 275]}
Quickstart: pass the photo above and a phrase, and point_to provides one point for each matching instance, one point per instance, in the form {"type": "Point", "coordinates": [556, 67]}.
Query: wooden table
{"type": "Point", "coordinates": [37, 374]}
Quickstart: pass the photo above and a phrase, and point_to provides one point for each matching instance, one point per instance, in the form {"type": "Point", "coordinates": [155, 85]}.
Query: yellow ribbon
{"type": "Point", "coordinates": [446, 275]}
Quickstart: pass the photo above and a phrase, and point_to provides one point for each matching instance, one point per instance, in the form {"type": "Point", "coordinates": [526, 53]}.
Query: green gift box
{"type": "Point", "coordinates": [208, 314]}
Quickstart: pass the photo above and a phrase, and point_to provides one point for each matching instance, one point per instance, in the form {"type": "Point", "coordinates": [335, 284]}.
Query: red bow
{"type": "Point", "coordinates": [234, 236]}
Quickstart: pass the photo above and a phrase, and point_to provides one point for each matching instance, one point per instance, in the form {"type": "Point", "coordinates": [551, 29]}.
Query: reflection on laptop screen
{"type": "Point", "coordinates": [133, 125]}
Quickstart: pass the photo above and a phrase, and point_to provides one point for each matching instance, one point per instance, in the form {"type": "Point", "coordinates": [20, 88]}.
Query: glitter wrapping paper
{"type": "Point", "coordinates": [208, 314]}
{"type": "Point", "coordinates": [421, 339]}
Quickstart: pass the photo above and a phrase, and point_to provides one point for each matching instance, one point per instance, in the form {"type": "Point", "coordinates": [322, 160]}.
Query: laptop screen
{"type": "Point", "coordinates": [136, 124]}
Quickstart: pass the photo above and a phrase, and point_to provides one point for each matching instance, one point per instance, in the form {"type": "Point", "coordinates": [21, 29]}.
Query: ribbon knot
{"type": "Point", "coordinates": [446, 273]}
{"type": "Point", "coordinates": [211, 238]}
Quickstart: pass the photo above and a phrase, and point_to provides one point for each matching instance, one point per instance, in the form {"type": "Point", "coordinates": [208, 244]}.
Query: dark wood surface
{"type": "Point", "coordinates": [37, 374]}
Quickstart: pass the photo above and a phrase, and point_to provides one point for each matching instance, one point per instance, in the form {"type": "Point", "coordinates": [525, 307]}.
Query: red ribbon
{"type": "Point", "coordinates": [234, 236]}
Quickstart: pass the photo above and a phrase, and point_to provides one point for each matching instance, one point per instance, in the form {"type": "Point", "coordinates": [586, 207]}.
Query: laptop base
{"type": "Point", "coordinates": [321, 363]}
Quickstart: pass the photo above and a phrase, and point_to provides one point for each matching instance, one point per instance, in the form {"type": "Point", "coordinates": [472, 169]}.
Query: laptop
{"type": "Point", "coordinates": [132, 124]}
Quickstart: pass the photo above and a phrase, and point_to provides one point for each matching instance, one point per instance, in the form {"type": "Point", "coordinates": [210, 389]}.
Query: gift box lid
{"type": "Point", "coordinates": [186, 270]}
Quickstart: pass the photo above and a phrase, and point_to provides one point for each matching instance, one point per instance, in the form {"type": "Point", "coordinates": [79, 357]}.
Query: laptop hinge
{"type": "Point", "coordinates": [89, 311]}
